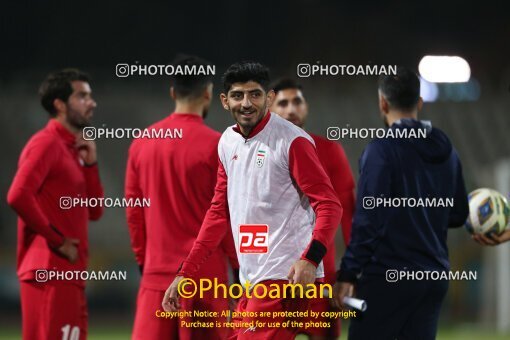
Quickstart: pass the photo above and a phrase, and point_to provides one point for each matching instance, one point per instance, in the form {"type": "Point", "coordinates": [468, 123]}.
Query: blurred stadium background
{"type": "Point", "coordinates": [41, 37]}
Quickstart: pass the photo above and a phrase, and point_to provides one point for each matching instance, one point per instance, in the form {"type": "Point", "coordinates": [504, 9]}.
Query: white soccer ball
{"type": "Point", "coordinates": [488, 212]}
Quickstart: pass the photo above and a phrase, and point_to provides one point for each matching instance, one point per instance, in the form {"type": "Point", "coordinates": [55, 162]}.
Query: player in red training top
{"type": "Point", "coordinates": [178, 175]}
{"type": "Point", "coordinates": [56, 166]}
{"type": "Point", "coordinates": [290, 104]}
{"type": "Point", "coordinates": [282, 208]}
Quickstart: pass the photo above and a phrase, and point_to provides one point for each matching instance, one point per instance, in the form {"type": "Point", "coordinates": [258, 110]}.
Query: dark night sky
{"type": "Point", "coordinates": [50, 35]}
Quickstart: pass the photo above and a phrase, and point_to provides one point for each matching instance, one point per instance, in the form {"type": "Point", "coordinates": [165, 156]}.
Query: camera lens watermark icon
{"type": "Point", "coordinates": [304, 70]}
{"type": "Point", "coordinates": [122, 70]}
{"type": "Point", "coordinates": [89, 133]}
{"type": "Point", "coordinates": [333, 133]}
{"type": "Point", "coordinates": [41, 275]}
{"type": "Point", "coordinates": [369, 202]}
{"type": "Point", "coordinates": [66, 202]}
{"type": "Point", "coordinates": [392, 275]}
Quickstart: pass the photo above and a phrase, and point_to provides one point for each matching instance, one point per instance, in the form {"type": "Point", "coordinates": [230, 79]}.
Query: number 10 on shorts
{"type": "Point", "coordinates": [253, 238]}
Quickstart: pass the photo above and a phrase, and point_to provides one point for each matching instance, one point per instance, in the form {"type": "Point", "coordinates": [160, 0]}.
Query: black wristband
{"type": "Point", "coordinates": [316, 252]}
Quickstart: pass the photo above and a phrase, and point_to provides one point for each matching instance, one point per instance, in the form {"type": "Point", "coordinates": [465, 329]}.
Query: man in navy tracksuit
{"type": "Point", "coordinates": [400, 236]}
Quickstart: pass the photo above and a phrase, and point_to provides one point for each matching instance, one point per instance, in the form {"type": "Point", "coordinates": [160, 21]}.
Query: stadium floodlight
{"type": "Point", "coordinates": [428, 91]}
{"type": "Point", "coordinates": [444, 69]}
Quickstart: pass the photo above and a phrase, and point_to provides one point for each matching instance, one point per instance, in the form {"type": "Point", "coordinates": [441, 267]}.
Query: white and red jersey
{"type": "Point", "coordinates": [261, 191]}
{"type": "Point", "coordinates": [280, 201]}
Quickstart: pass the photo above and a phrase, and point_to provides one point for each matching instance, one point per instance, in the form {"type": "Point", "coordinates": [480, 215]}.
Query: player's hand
{"type": "Point", "coordinates": [69, 249]}
{"type": "Point", "coordinates": [492, 239]}
{"type": "Point", "coordinates": [87, 150]}
{"type": "Point", "coordinates": [341, 290]}
{"type": "Point", "coordinates": [302, 272]}
{"type": "Point", "coordinates": [171, 299]}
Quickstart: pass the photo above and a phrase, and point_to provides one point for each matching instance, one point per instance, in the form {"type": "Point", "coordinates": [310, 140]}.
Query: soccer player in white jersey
{"type": "Point", "coordinates": [282, 208]}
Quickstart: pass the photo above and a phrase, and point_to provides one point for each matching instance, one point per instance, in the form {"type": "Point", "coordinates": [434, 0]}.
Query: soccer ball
{"type": "Point", "coordinates": [488, 212]}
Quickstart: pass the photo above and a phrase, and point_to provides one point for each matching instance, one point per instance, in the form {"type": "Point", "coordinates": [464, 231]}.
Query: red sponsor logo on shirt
{"type": "Point", "coordinates": [253, 238]}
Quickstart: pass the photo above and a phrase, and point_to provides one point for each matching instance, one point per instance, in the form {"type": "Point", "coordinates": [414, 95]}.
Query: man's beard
{"type": "Point", "coordinates": [76, 120]}
{"type": "Point", "coordinates": [250, 125]}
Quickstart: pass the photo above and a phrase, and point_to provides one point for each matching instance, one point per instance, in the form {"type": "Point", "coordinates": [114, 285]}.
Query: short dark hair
{"type": "Point", "coordinates": [190, 86]}
{"type": "Point", "coordinates": [245, 71]}
{"type": "Point", "coordinates": [402, 90]}
{"type": "Point", "coordinates": [285, 83]}
{"type": "Point", "coordinates": [57, 85]}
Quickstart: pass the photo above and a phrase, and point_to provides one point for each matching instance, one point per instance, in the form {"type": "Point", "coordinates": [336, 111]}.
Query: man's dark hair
{"type": "Point", "coordinates": [402, 90]}
{"type": "Point", "coordinates": [285, 84]}
{"type": "Point", "coordinates": [245, 71]}
{"type": "Point", "coordinates": [188, 86]}
{"type": "Point", "coordinates": [57, 85]}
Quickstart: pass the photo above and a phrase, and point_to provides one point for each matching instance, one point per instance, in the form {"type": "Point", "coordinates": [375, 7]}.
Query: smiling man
{"type": "Point", "coordinates": [56, 163]}
{"type": "Point", "coordinates": [273, 189]}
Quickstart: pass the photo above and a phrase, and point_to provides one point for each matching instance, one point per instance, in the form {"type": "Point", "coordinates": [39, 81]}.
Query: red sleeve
{"type": "Point", "coordinates": [228, 246]}
{"type": "Point", "coordinates": [306, 169]}
{"type": "Point", "coordinates": [94, 189]}
{"type": "Point", "coordinates": [213, 229]}
{"type": "Point", "coordinates": [33, 169]}
{"type": "Point", "coordinates": [343, 182]}
{"type": "Point", "coordinates": [135, 215]}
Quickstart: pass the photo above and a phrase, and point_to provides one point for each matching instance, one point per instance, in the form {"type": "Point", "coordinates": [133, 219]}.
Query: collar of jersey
{"type": "Point", "coordinates": [186, 116]}
{"type": "Point", "coordinates": [62, 132]}
{"type": "Point", "coordinates": [259, 127]}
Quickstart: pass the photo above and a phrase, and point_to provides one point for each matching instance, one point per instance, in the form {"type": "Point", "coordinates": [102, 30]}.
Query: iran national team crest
{"type": "Point", "coordinates": [261, 155]}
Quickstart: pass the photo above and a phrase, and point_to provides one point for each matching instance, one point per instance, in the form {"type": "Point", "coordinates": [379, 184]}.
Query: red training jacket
{"type": "Point", "coordinates": [178, 175]}
{"type": "Point", "coordinates": [50, 168]}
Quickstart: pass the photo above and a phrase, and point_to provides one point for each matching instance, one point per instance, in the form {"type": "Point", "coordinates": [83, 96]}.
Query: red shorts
{"type": "Point", "coordinates": [149, 326]}
{"type": "Point", "coordinates": [53, 310]}
{"type": "Point", "coordinates": [322, 305]}
{"type": "Point", "coordinates": [268, 304]}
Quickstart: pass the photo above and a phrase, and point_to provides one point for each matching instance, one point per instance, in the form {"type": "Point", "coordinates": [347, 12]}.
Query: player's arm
{"type": "Point", "coordinates": [94, 189]}
{"type": "Point", "coordinates": [135, 215]}
{"type": "Point", "coordinates": [87, 150]}
{"type": "Point", "coordinates": [343, 183]}
{"type": "Point", "coordinates": [460, 210]}
{"type": "Point", "coordinates": [213, 230]}
{"type": "Point", "coordinates": [311, 178]}
{"type": "Point", "coordinates": [494, 239]}
{"type": "Point", "coordinates": [228, 246]}
{"type": "Point", "coordinates": [368, 224]}
{"type": "Point", "coordinates": [32, 171]}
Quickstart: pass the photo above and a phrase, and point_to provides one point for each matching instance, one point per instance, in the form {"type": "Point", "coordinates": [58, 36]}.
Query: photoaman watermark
{"type": "Point", "coordinates": [189, 288]}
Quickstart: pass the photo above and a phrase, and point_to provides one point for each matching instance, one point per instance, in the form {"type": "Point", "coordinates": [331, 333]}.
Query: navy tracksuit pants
{"type": "Point", "coordinates": [401, 310]}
